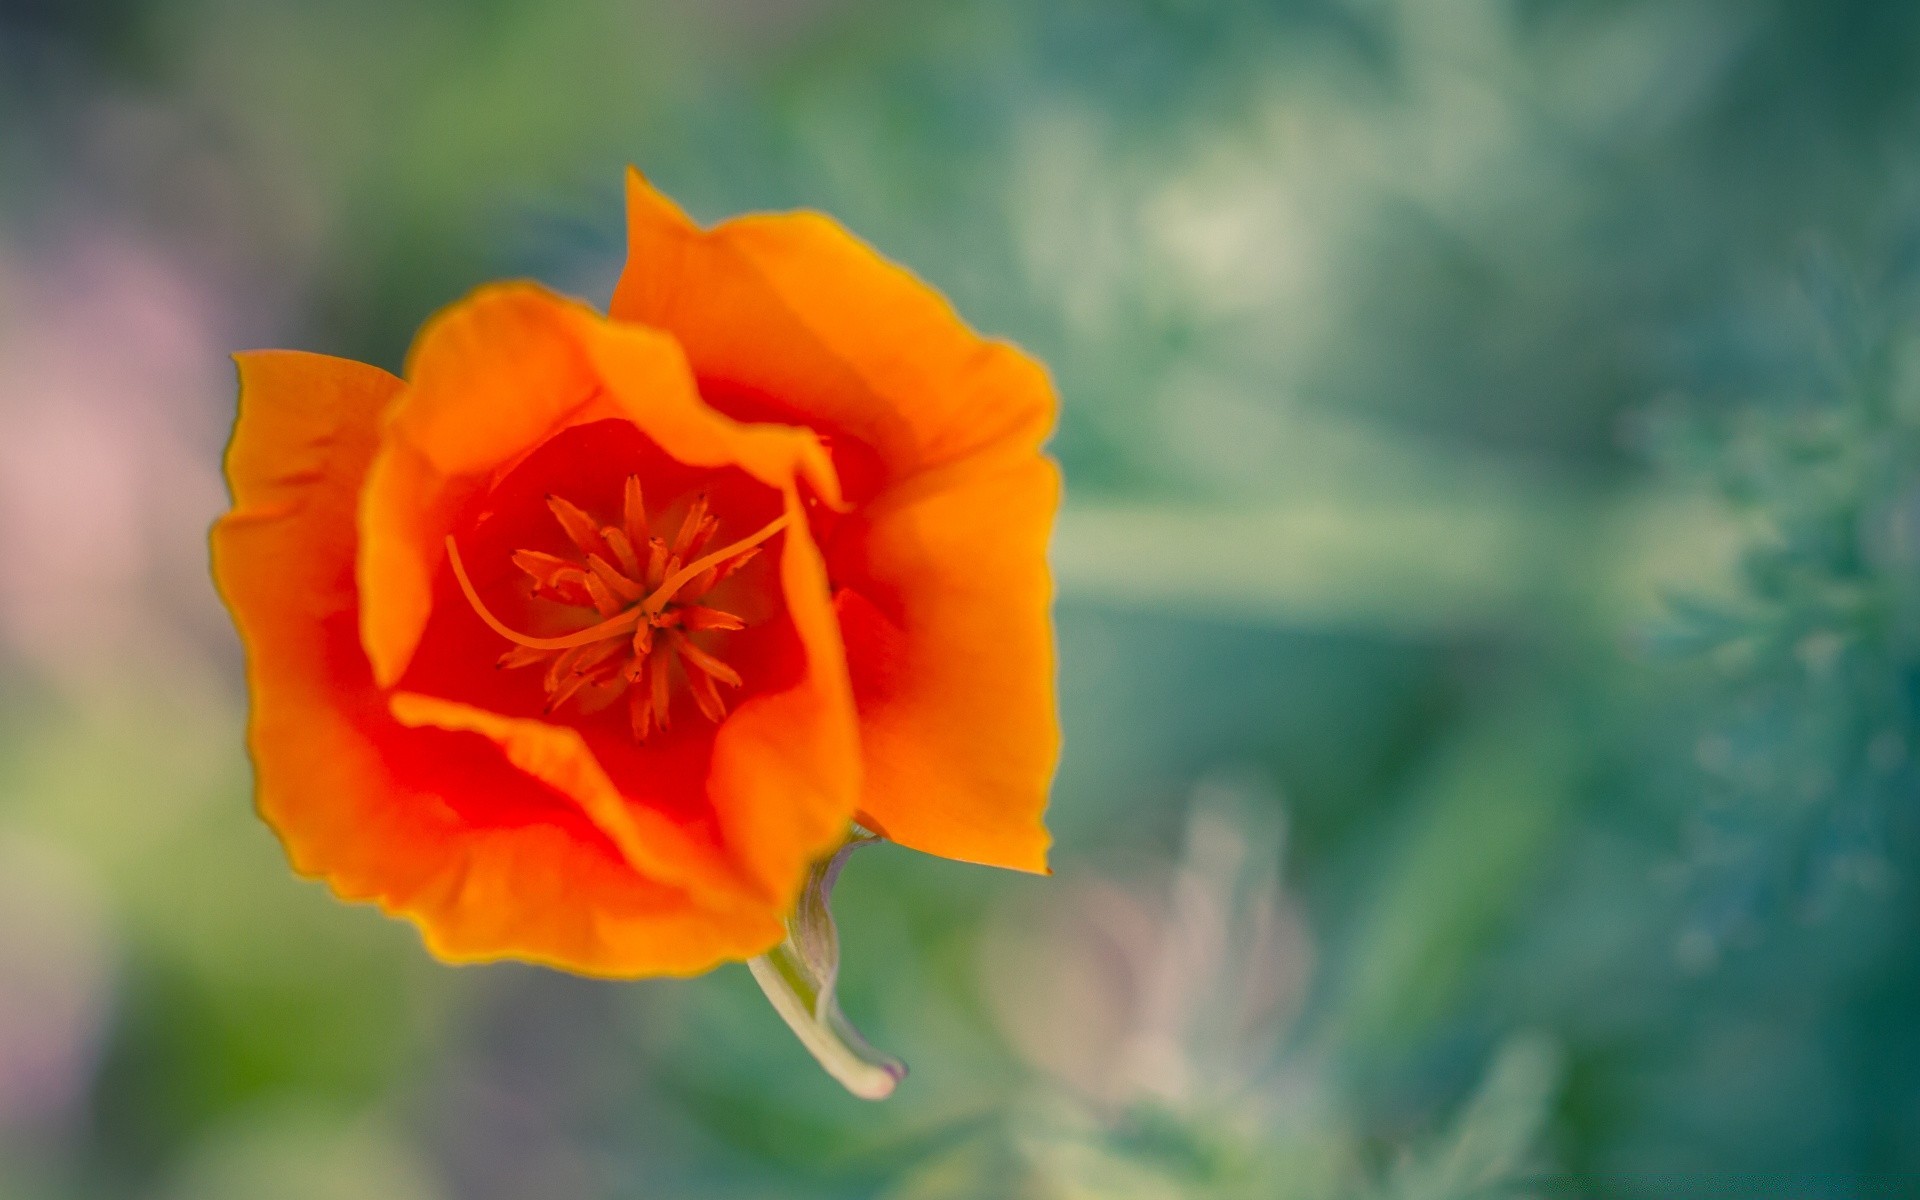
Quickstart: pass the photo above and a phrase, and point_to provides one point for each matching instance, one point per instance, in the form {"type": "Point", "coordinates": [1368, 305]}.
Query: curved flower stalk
{"type": "Point", "coordinates": [586, 642]}
{"type": "Point", "coordinates": [799, 976]}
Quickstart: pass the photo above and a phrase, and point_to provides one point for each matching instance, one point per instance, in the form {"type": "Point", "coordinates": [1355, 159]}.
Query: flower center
{"type": "Point", "coordinates": [646, 591]}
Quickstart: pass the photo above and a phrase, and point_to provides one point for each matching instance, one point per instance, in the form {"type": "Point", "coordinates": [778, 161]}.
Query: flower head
{"type": "Point", "coordinates": [584, 641]}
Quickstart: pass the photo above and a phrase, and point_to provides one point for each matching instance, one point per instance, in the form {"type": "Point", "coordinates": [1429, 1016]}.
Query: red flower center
{"type": "Point", "coordinates": [646, 592]}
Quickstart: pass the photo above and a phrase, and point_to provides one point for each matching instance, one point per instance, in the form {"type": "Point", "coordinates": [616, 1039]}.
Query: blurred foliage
{"type": "Point", "coordinates": [1484, 1153]}
{"type": "Point", "coordinates": [1807, 758]}
{"type": "Point", "coordinates": [1488, 595]}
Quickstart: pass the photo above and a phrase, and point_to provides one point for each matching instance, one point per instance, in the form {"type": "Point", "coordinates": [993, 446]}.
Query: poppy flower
{"type": "Point", "coordinates": [588, 640]}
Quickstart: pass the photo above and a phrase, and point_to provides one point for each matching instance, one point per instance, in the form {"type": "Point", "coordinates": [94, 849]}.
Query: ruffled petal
{"type": "Point", "coordinates": [945, 612]}
{"type": "Point", "coordinates": [558, 757]}
{"type": "Point", "coordinates": [489, 380]}
{"type": "Point", "coordinates": [942, 586]}
{"type": "Point", "coordinates": [430, 824]}
{"type": "Point", "coordinates": [792, 313]}
{"type": "Point", "coordinates": [497, 376]}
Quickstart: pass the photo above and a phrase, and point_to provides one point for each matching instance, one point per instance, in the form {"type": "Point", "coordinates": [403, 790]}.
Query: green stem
{"type": "Point", "coordinates": [799, 976]}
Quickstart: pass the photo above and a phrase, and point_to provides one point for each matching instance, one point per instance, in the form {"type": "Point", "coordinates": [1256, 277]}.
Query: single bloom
{"type": "Point", "coordinates": [588, 639]}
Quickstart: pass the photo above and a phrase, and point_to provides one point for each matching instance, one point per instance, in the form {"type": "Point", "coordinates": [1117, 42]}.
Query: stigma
{"type": "Point", "coordinates": [645, 593]}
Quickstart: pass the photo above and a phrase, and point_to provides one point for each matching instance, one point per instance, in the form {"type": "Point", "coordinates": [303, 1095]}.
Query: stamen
{"type": "Point", "coordinates": [696, 617]}
{"type": "Point", "coordinates": [707, 696]}
{"type": "Point", "coordinates": [562, 667]}
{"type": "Point", "coordinates": [657, 665]}
{"type": "Point", "coordinates": [592, 633]}
{"type": "Point", "coordinates": [595, 659]}
{"type": "Point", "coordinates": [583, 661]}
{"type": "Point", "coordinates": [565, 691]}
{"type": "Point", "coordinates": [640, 713]}
{"type": "Point", "coordinates": [521, 656]}
{"type": "Point", "coordinates": [690, 526]}
{"type": "Point", "coordinates": [604, 601]}
{"type": "Point", "coordinates": [707, 663]}
{"type": "Point", "coordinates": [710, 578]}
{"type": "Point", "coordinates": [623, 550]}
{"type": "Point", "coordinates": [579, 526]}
{"type": "Point", "coordinates": [616, 583]}
{"type": "Point", "coordinates": [569, 587]}
{"type": "Point", "coordinates": [709, 526]}
{"type": "Point", "coordinates": [645, 626]}
{"type": "Point", "coordinates": [541, 567]}
{"type": "Point", "coordinates": [666, 590]}
{"type": "Point", "coordinates": [633, 511]}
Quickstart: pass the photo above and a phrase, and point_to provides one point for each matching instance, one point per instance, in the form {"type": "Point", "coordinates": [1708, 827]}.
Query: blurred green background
{"type": "Point", "coordinates": [1489, 595]}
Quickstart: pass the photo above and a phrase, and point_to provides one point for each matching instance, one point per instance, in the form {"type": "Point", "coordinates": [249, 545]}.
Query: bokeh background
{"type": "Point", "coordinates": [1489, 595]}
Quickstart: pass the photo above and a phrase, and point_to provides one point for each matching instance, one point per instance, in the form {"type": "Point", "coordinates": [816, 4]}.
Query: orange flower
{"type": "Point", "coordinates": [586, 640]}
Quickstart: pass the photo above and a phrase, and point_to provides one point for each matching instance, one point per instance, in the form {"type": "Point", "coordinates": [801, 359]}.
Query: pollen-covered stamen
{"type": "Point", "coordinates": [646, 592]}
{"type": "Point", "coordinates": [640, 712]}
{"type": "Point", "coordinates": [554, 578]}
{"type": "Point", "coordinates": [604, 601]}
{"type": "Point", "coordinates": [522, 656]}
{"type": "Point", "coordinates": [564, 692]}
{"type": "Point", "coordinates": [623, 554]}
{"type": "Point", "coordinates": [633, 511]}
{"type": "Point", "coordinates": [698, 659]}
{"type": "Point", "coordinates": [695, 617]}
{"type": "Point", "coordinates": [706, 696]}
{"type": "Point", "coordinates": [658, 666]}
{"type": "Point", "coordinates": [657, 559]}
{"type": "Point", "coordinates": [675, 580]}
{"type": "Point", "coordinates": [691, 527]}
{"type": "Point", "coordinates": [620, 625]}
{"type": "Point", "coordinates": [617, 582]}
{"type": "Point", "coordinates": [579, 526]}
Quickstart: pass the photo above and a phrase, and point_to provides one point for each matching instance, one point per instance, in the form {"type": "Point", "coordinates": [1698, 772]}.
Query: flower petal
{"type": "Point", "coordinates": [500, 374]}
{"type": "Point", "coordinates": [794, 314]}
{"type": "Point", "coordinates": [489, 380]}
{"type": "Point", "coordinates": [944, 592]}
{"type": "Point", "coordinates": [558, 757]}
{"type": "Point", "coordinates": [430, 824]}
{"type": "Point", "coordinates": [945, 616]}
